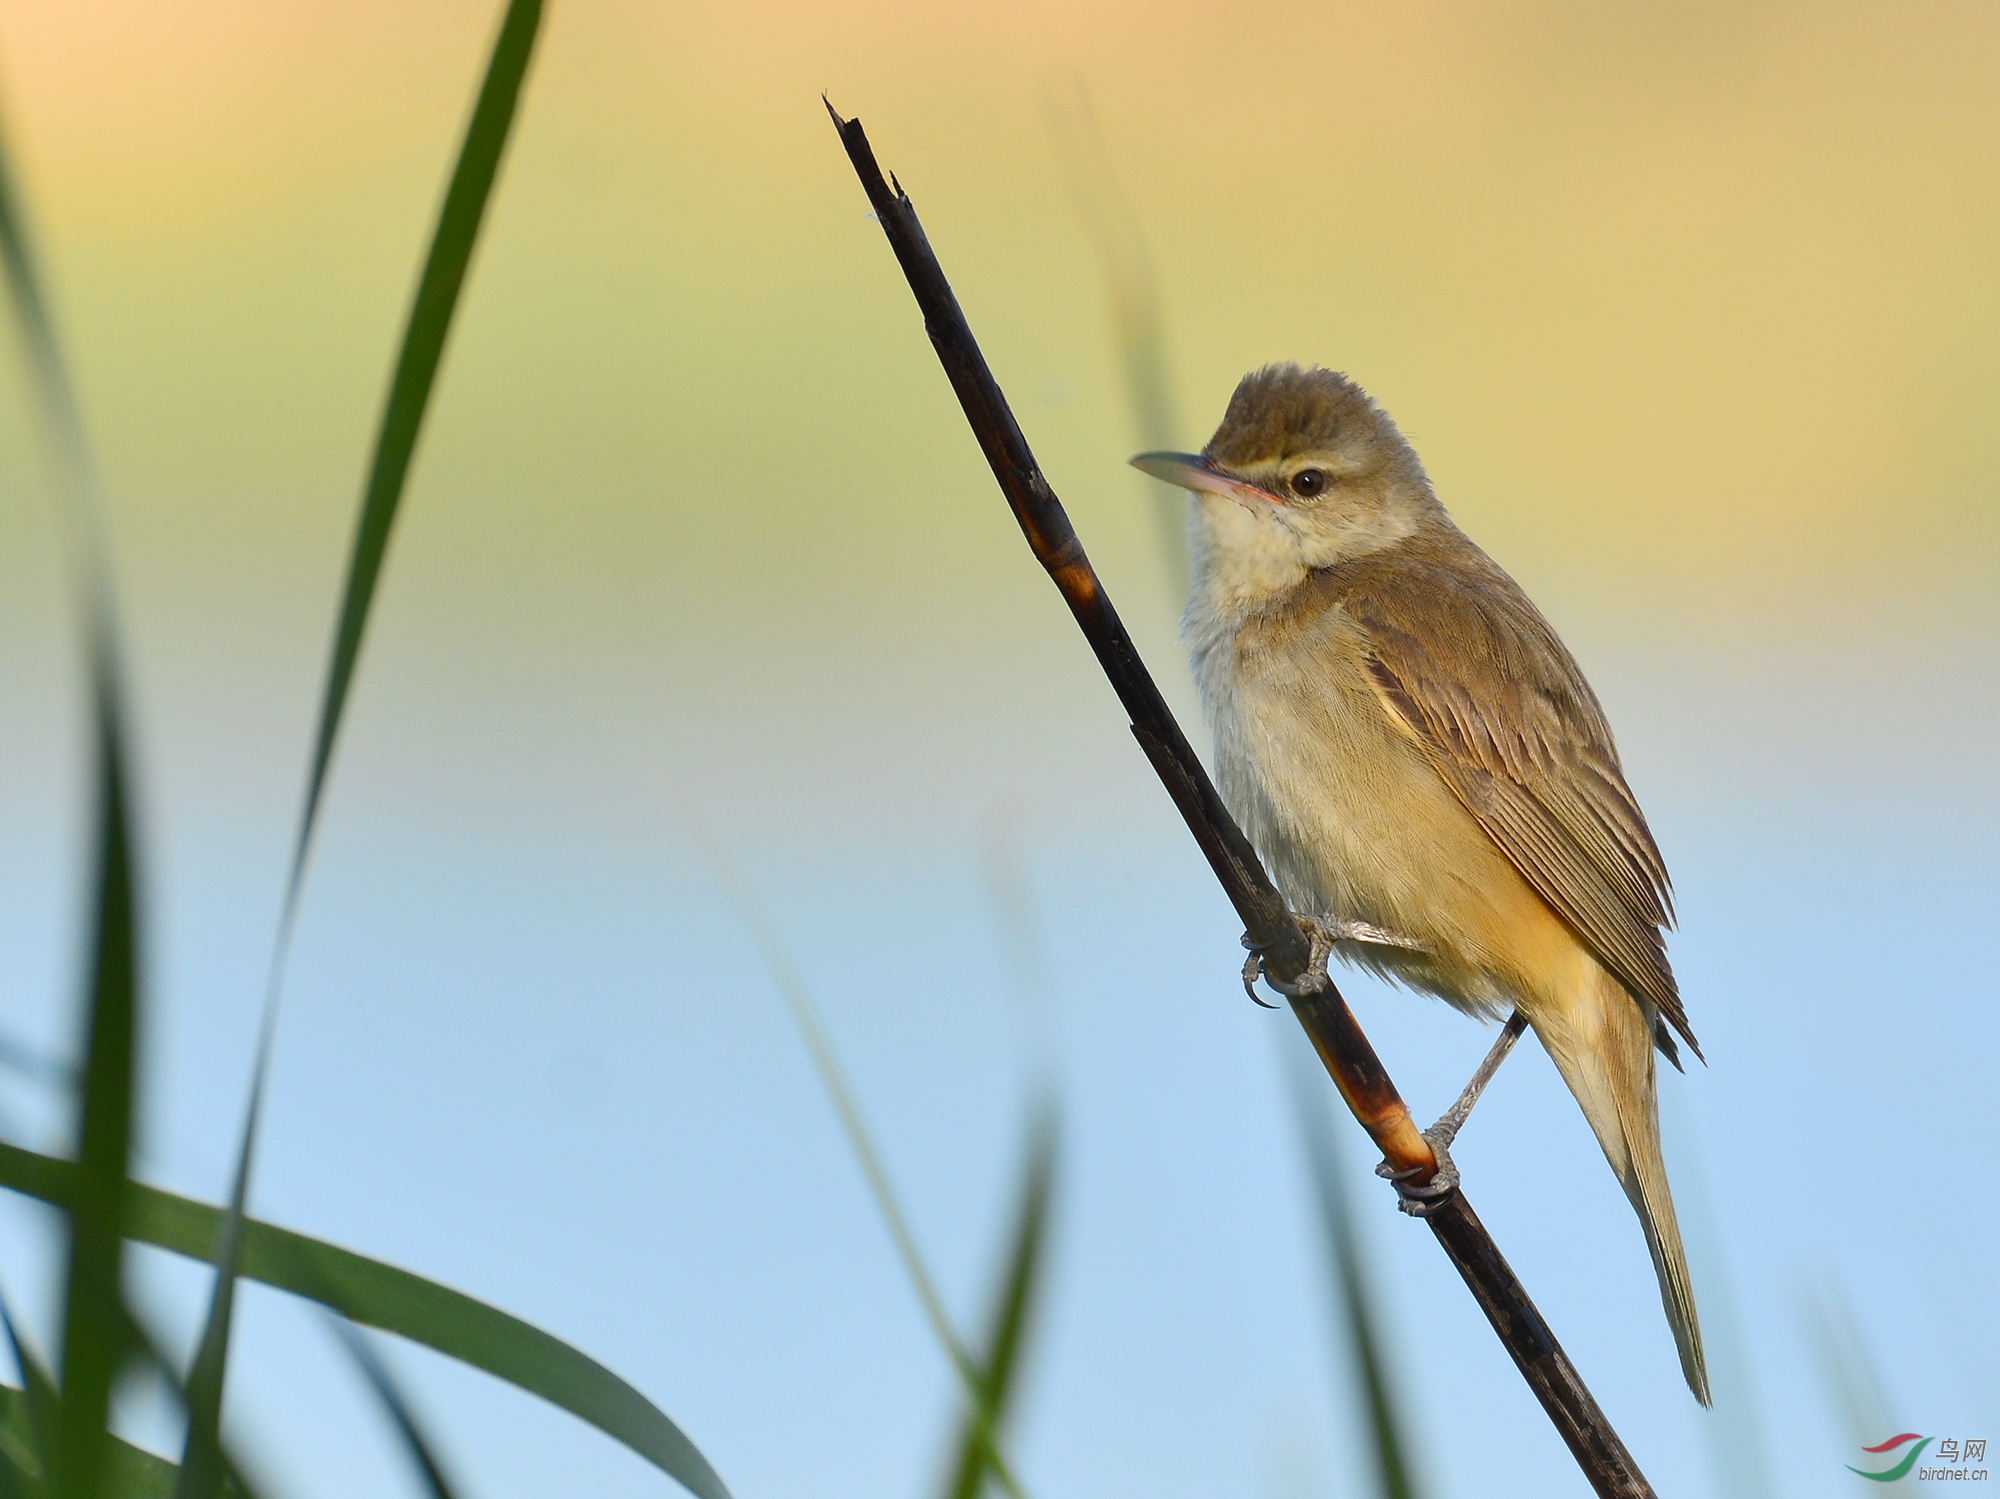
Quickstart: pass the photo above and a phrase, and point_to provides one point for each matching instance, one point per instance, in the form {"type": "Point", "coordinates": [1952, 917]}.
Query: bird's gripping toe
{"type": "Point", "coordinates": [1322, 932]}
{"type": "Point", "coordinates": [1311, 980]}
{"type": "Point", "coordinates": [1421, 1199]}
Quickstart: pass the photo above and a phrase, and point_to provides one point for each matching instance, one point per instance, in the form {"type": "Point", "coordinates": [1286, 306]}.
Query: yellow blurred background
{"type": "Point", "coordinates": [1682, 304]}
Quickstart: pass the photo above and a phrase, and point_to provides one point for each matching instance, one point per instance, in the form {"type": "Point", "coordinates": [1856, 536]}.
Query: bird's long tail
{"type": "Point", "coordinates": [1602, 1043]}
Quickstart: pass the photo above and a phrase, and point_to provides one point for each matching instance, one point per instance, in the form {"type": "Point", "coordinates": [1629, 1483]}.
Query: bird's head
{"type": "Point", "coordinates": [1304, 472]}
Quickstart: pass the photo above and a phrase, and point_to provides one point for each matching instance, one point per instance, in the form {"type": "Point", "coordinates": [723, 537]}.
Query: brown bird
{"type": "Point", "coordinates": [1416, 755]}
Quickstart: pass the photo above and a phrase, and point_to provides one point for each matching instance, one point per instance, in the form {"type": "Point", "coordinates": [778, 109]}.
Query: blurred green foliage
{"type": "Point", "coordinates": [55, 1433]}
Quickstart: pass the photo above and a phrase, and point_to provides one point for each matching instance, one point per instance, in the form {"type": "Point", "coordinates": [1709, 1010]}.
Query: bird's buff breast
{"type": "Point", "coordinates": [1350, 815]}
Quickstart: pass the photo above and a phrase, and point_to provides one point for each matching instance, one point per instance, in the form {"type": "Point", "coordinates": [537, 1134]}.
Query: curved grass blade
{"type": "Point", "coordinates": [20, 1457]}
{"type": "Point", "coordinates": [1016, 1295]}
{"type": "Point", "coordinates": [31, 1421]}
{"type": "Point", "coordinates": [826, 1062]}
{"type": "Point", "coordinates": [93, 1338]}
{"type": "Point", "coordinates": [147, 1349]}
{"type": "Point", "coordinates": [129, 1472]}
{"type": "Point", "coordinates": [1017, 1291]}
{"type": "Point", "coordinates": [417, 362]}
{"type": "Point", "coordinates": [396, 1405]}
{"type": "Point", "coordinates": [1348, 1264]}
{"type": "Point", "coordinates": [438, 288]}
{"type": "Point", "coordinates": [381, 1296]}
{"type": "Point", "coordinates": [78, 1448]}
{"type": "Point", "coordinates": [93, 1287]}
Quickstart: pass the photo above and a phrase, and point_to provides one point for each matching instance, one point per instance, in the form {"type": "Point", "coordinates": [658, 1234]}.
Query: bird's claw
{"type": "Point", "coordinates": [1322, 932]}
{"type": "Point", "coordinates": [1253, 968]}
{"type": "Point", "coordinates": [1312, 979]}
{"type": "Point", "coordinates": [1420, 1200]}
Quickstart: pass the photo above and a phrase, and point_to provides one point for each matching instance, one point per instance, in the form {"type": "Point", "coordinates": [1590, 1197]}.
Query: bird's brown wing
{"type": "Point", "coordinates": [1468, 664]}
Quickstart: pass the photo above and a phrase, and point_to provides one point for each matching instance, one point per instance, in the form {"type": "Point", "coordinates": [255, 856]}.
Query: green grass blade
{"type": "Point", "coordinates": [20, 1457]}
{"type": "Point", "coordinates": [134, 1473]}
{"type": "Point", "coordinates": [93, 1291]}
{"type": "Point", "coordinates": [148, 1350]}
{"type": "Point", "coordinates": [396, 1405]}
{"type": "Point", "coordinates": [381, 1296]}
{"type": "Point", "coordinates": [129, 1472]}
{"type": "Point", "coordinates": [201, 1468]}
{"type": "Point", "coordinates": [1347, 1263]}
{"type": "Point", "coordinates": [438, 289]}
{"type": "Point", "coordinates": [1013, 1306]}
{"type": "Point", "coordinates": [1021, 1266]}
{"type": "Point", "coordinates": [31, 1423]}
{"type": "Point", "coordinates": [798, 999]}
{"type": "Point", "coordinates": [93, 1342]}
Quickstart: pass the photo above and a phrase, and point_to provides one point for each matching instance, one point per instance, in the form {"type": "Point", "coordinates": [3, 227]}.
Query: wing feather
{"type": "Point", "coordinates": [1469, 665]}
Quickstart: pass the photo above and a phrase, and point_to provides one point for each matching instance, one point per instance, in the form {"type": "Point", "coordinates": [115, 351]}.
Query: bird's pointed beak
{"type": "Point", "coordinates": [1192, 471]}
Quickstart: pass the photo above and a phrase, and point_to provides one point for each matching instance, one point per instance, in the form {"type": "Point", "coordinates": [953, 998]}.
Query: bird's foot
{"type": "Point", "coordinates": [1322, 932]}
{"type": "Point", "coordinates": [1312, 980]}
{"type": "Point", "coordinates": [1421, 1199]}
{"type": "Point", "coordinates": [1421, 1202]}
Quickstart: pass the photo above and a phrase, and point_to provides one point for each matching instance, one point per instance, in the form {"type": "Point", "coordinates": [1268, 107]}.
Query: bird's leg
{"type": "Point", "coordinates": [1453, 1119]}
{"type": "Point", "coordinates": [1422, 1201]}
{"type": "Point", "coordinates": [1323, 932]}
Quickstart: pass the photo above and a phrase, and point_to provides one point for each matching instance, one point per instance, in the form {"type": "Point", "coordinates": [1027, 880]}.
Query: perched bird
{"type": "Point", "coordinates": [1416, 755]}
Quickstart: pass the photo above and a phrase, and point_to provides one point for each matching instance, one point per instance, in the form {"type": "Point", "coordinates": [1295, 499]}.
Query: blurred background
{"type": "Point", "coordinates": [1693, 314]}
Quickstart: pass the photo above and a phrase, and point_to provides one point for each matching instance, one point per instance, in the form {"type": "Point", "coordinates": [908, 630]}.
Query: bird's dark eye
{"type": "Point", "coordinates": [1308, 482]}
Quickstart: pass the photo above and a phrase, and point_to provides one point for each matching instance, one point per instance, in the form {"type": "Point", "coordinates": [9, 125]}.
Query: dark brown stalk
{"type": "Point", "coordinates": [1352, 1062]}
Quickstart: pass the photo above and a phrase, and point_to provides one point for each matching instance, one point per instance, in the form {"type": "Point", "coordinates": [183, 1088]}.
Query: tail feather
{"type": "Point", "coordinates": [1602, 1043]}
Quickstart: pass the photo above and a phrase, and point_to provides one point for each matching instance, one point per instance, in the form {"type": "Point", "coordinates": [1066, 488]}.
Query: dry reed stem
{"type": "Point", "coordinates": [1356, 1070]}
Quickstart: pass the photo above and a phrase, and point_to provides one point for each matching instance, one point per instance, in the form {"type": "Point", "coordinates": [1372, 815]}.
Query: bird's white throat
{"type": "Point", "coordinates": [1241, 558]}
{"type": "Point", "coordinates": [1244, 556]}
